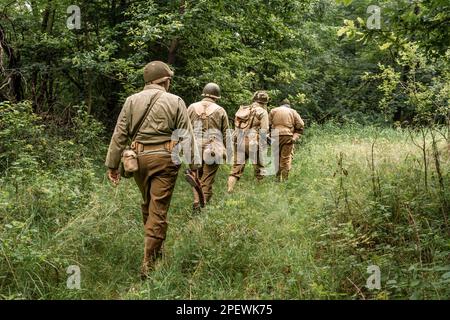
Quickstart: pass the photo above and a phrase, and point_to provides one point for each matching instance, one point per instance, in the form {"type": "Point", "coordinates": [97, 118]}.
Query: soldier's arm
{"type": "Point", "coordinates": [187, 133]}
{"type": "Point", "coordinates": [264, 125]}
{"type": "Point", "coordinates": [183, 119]}
{"type": "Point", "coordinates": [190, 111]}
{"type": "Point", "coordinates": [270, 119]}
{"type": "Point", "coordinates": [119, 138]}
{"type": "Point", "coordinates": [264, 118]}
{"type": "Point", "coordinates": [299, 125]}
{"type": "Point", "coordinates": [225, 126]}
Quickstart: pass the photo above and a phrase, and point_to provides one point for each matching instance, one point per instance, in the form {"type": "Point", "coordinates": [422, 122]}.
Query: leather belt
{"type": "Point", "coordinates": [166, 146]}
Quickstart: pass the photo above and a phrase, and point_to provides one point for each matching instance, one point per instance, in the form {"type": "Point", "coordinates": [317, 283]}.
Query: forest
{"type": "Point", "coordinates": [370, 183]}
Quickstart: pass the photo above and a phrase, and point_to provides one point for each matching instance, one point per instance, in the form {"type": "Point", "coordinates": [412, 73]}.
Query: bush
{"type": "Point", "coordinates": [47, 182]}
{"type": "Point", "coordinates": [384, 214]}
{"type": "Point", "coordinates": [20, 136]}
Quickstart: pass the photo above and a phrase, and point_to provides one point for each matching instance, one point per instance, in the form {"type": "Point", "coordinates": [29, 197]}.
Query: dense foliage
{"type": "Point", "coordinates": [316, 52]}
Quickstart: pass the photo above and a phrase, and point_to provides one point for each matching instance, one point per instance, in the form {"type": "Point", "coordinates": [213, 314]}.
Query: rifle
{"type": "Point", "coordinates": [191, 177]}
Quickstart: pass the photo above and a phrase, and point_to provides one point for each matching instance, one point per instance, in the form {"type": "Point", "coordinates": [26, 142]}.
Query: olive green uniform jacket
{"type": "Point", "coordinates": [260, 123]}
{"type": "Point", "coordinates": [288, 123]}
{"type": "Point", "coordinates": [168, 114]}
{"type": "Point", "coordinates": [210, 122]}
{"type": "Point", "coordinates": [286, 120]}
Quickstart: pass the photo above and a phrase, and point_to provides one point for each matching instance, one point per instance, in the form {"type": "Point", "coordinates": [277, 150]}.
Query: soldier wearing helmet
{"type": "Point", "coordinates": [210, 123]}
{"type": "Point", "coordinates": [262, 98]}
{"type": "Point", "coordinates": [252, 124]}
{"type": "Point", "coordinates": [149, 118]}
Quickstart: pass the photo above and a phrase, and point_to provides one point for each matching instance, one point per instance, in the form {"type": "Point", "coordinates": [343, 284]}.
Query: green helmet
{"type": "Point", "coordinates": [157, 72]}
{"type": "Point", "coordinates": [261, 97]}
{"type": "Point", "coordinates": [211, 90]}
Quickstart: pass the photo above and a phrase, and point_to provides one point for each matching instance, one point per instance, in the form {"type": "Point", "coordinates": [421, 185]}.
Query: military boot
{"type": "Point", "coordinates": [231, 182]}
{"type": "Point", "coordinates": [152, 251]}
{"type": "Point", "coordinates": [284, 175]}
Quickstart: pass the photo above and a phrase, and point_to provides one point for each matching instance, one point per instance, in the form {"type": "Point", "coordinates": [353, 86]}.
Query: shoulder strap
{"type": "Point", "coordinates": [252, 115]}
{"type": "Point", "coordinates": [199, 108]}
{"type": "Point", "coordinates": [205, 108]}
{"type": "Point", "coordinates": [213, 107]}
{"type": "Point", "coordinates": [149, 108]}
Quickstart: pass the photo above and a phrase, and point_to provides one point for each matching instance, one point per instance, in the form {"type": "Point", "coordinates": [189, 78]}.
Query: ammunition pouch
{"type": "Point", "coordinates": [129, 164]}
{"type": "Point", "coordinates": [214, 148]}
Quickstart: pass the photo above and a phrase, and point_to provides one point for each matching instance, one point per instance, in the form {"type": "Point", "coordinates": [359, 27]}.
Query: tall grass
{"type": "Point", "coordinates": [356, 197]}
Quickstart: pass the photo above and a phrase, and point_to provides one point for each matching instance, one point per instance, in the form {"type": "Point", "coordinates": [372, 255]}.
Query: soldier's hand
{"type": "Point", "coordinates": [295, 137]}
{"type": "Point", "coordinates": [114, 176]}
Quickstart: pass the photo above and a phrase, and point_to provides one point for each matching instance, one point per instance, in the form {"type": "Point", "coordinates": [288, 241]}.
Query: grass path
{"type": "Point", "coordinates": [311, 237]}
{"type": "Point", "coordinates": [256, 243]}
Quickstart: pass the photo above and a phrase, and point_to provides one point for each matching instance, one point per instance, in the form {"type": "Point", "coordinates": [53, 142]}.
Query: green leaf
{"type": "Point", "coordinates": [385, 46]}
{"type": "Point", "coordinates": [361, 21]}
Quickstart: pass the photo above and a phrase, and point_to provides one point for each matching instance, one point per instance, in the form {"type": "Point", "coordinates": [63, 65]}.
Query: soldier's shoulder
{"type": "Point", "coordinates": [220, 108]}
{"type": "Point", "coordinates": [148, 93]}
{"type": "Point", "coordinates": [275, 109]}
{"type": "Point", "coordinates": [139, 98]}
{"type": "Point", "coordinates": [283, 109]}
{"type": "Point", "coordinates": [140, 94]}
{"type": "Point", "coordinates": [195, 103]}
{"type": "Point", "coordinates": [172, 97]}
{"type": "Point", "coordinates": [134, 95]}
{"type": "Point", "coordinates": [144, 95]}
{"type": "Point", "coordinates": [192, 105]}
{"type": "Point", "coordinates": [260, 110]}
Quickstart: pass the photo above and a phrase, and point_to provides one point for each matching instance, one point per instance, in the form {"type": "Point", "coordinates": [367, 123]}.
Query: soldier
{"type": "Point", "coordinates": [153, 144]}
{"type": "Point", "coordinates": [290, 126]}
{"type": "Point", "coordinates": [251, 127]}
{"type": "Point", "coordinates": [210, 122]}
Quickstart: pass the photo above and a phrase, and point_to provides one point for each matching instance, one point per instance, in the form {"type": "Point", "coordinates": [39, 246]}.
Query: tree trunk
{"type": "Point", "coordinates": [399, 114]}
{"type": "Point", "coordinates": [172, 51]}
{"type": "Point", "coordinates": [89, 92]}
{"type": "Point", "coordinates": [113, 16]}
{"type": "Point", "coordinates": [44, 95]}
{"type": "Point", "coordinates": [48, 18]}
{"type": "Point", "coordinates": [175, 42]}
{"type": "Point", "coordinates": [14, 77]}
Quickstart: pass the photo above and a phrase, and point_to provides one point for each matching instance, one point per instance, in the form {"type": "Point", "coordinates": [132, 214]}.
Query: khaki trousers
{"type": "Point", "coordinates": [207, 176]}
{"type": "Point", "coordinates": [238, 169]}
{"type": "Point", "coordinates": [156, 180]}
{"type": "Point", "coordinates": [285, 155]}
